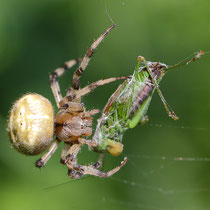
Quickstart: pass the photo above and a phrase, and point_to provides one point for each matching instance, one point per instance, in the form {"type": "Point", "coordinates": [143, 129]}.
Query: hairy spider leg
{"type": "Point", "coordinates": [64, 152]}
{"type": "Point", "coordinates": [99, 163]}
{"type": "Point", "coordinates": [87, 57]}
{"type": "Point", "coordinates": [43, 160]}
{"type": "Point", "coordinates": [90, 143]}
{"type": "Point", "coordinates": [53, 79]}
{"type": "Point", "coordinates": [91, 170]}
{"type": "Point", "coordinates": [92, 86]}
{"type": "Point", "coordinates": [71, 161]}
{"type": "Point", "coordinates": [76, 96]}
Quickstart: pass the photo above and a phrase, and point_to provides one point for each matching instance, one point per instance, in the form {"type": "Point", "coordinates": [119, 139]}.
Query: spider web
{"type": "Point", "coordinates": [159, 182]}
{"type": "Point", "coordinates": [171, 190]}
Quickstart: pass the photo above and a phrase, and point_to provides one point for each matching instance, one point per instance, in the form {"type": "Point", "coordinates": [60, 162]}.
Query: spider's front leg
{"type": "Point", "coordinates": [91, 170]}
{"type": "Point", "coordinates": [84, 63]}
{"type": "Point", "coordinates": [94, 85]}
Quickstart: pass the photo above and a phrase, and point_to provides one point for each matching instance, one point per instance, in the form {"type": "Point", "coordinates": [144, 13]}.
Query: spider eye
{"type": "Point", "coordinates": [31, 124]}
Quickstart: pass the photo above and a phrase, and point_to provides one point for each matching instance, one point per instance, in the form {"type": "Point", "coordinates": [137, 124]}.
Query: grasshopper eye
{"type": "Point", "coordinates": [31, 124]}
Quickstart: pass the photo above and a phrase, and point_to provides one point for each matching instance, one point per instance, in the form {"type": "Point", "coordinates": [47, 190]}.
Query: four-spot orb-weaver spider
{"type": "Point", "coordinates": [32, 125]}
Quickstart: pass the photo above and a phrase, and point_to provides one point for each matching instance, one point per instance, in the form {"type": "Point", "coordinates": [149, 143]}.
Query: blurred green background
{"type": "Point", "coordinates": [38, 36]}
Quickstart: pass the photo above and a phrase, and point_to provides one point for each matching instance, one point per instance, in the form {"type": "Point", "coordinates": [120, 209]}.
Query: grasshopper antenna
{"type": "Point", "coordinates": [107, 13]}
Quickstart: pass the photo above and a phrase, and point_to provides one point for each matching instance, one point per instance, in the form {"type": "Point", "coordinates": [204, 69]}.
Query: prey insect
{"type": "Point", "coordinates": [128, 105]}
{"type": "Point", "coordinates": [32, 125]}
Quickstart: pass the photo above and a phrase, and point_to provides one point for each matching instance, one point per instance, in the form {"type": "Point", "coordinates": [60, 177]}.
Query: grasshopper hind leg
{"type": "Point", "coordinates": [170, 112]}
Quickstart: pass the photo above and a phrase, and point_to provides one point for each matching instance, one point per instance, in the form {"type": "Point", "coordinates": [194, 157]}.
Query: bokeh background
{"type": "Point", "coordinates": [38, 36]}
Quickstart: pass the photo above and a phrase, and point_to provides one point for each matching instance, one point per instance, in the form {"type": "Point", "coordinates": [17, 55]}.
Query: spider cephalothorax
{"type": "Point", "coordinates": [71, 124]}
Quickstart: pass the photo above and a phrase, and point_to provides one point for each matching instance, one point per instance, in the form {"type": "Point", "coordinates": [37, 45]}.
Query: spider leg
{"type": "Point", "coordinates": [71, 155]}
{"type": "Point", "coordinates": [64, 152]}
{"type": "Point", "coordinates": [89, 113]}
{"type": "Point", "coordinates": [53, 80]}
{"type": "Point", "coordinates": [77, 94]}
{"type": "Point", "coordinates": [98, 164]}
{"type": "Point", "coordinates": [90, 170]}
{"type": "Point", "coordinates": [86, 59]}
{"type": "Point", "coordinates": [74, 170]}
{"type": "Point", "coordinates": [43, 160]}
{"type": "Point", "coordinates": [92, 86]}
{"type": "Point", "coordinates": [90, 143]}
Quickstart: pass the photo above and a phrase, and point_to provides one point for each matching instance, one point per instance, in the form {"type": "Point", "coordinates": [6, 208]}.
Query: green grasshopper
{"type": "Point", "coordinates": [128, 105]}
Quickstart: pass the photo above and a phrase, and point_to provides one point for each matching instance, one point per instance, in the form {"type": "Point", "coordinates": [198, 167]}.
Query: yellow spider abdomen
{"type": "Point", "coordinates": [31, 124]}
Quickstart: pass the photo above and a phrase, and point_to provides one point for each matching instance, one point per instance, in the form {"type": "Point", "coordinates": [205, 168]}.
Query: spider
{"type": "Point", "coordinates": [32, 125]}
